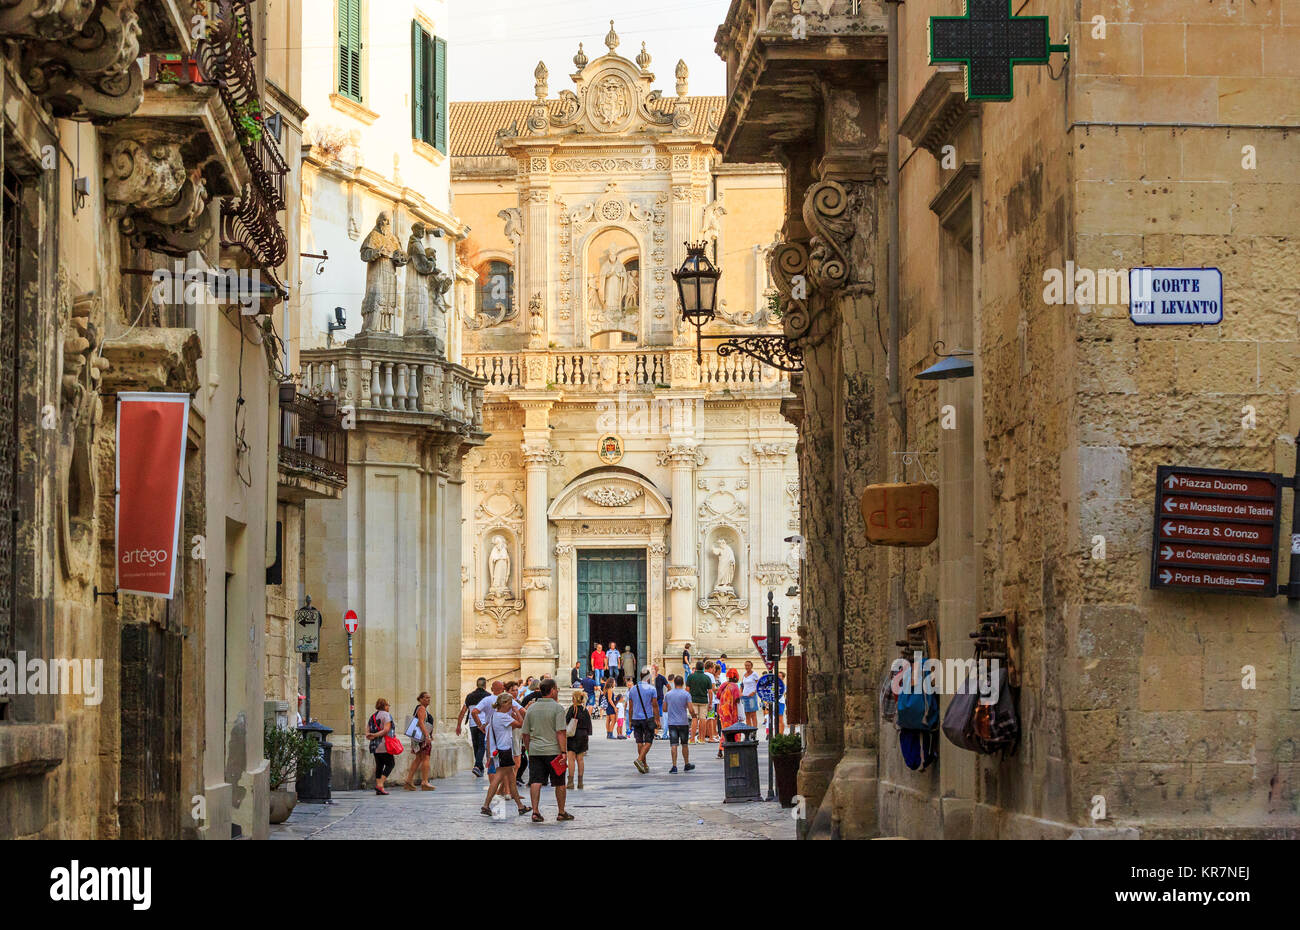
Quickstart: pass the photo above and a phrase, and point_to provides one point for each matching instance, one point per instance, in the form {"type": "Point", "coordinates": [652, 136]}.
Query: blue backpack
{"type": "Point", "coordinates": [916, 710]}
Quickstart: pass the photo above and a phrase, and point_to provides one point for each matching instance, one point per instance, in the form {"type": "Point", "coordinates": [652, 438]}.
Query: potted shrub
{"type": "Point", "coordinates": [288, 752]}
{"type": "Point", "coordinates": [173, 69]}
{"type": "Point", "coordinates": [327, 405]}
{"type": "Point", "coordinates": [787, 753]}
{"type": "Point", "coordinates": [288, 392]}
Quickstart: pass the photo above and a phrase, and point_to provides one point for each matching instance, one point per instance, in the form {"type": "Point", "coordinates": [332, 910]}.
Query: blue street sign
{"type": "Point", "coordinates": [1175, 296]}
{"type": "Point", "coordinates": [765, 688]}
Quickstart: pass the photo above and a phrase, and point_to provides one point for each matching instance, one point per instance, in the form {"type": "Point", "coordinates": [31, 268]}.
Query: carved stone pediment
{"type": "Point", "coordinates": [153, 359]}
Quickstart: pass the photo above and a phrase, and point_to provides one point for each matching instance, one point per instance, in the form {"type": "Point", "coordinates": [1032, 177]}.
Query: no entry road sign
{"type": "Point", "coordinates": [1216, 531]}
{"type": "Point", "coordinates": [350, 621]}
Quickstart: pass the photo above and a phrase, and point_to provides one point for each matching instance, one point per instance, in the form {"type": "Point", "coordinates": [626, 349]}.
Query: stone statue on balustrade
{"type": "Point", "coordinates": [383, 255]}
{"type": "Point", "coordinates": [426, 290]}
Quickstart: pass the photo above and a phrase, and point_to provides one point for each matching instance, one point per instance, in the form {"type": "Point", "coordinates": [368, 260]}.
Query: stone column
{"type": "Point", "coordinates": [539, 652]}
{"type": "Point", "coordinates": [683, 456]}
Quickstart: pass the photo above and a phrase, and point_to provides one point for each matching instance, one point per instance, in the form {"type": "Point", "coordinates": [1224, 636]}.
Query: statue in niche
{"type": "Point", "coordinates": [630, 299]}
{"type": "Point", "coordinates": [612, 279]}
{"type": "Point", "coordinates": [726, 568]}
{"type": "Point", "coordinates": [383, 255]}
{"type": "Point", "coordinates": [499, 568]}
{"type": "Point", "coordinates": [426, 288]}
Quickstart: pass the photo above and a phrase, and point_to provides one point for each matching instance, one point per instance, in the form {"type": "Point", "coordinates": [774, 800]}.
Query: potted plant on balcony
{"type": "Point", "coordinates": [327, 405]}
{"type": "Point", "coordinates": [288, 752]}
{"type": "Point", "coordinates": [288, 392]}
{"type": "Point", "coordinates": [248, 122]}
{"type": "Point", "coordinates": [173, 69]}
{"type": "Point", "coordinates": [787, 753]}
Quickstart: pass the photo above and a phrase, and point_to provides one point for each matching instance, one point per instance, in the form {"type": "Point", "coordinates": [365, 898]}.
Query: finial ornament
{"type": "Point", "coordinates": [540, 73]}
{"type": "Point", "coordinates": [643, 58]}
{"type": "Point", "coordinates": [580, 59]}
{"type": "Point", "coordinates": [682, 74]}
{"type": "Point", "coordinates": [611, 37]}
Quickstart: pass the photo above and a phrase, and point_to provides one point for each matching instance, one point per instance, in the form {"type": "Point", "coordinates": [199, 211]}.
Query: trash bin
{"type": "Point", "coordinates": [314, 787]}
{"type": "Point", "coordinates": [740, 764]}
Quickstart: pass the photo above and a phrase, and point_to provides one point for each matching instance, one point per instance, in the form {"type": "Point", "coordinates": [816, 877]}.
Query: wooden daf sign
{"type": "Point", "coordinates": [901, 514]}
{"type": "Point", "coordinates": [1216, 531]}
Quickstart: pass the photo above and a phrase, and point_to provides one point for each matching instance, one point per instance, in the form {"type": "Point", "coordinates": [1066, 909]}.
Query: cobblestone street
{"type": "Point", "coordinates": [617, 803]}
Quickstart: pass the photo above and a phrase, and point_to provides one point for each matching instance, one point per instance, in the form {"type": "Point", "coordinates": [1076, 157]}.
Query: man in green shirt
{"type": "Point", "coordinates": [701, 686]}
{"type": "Point", "coordinates": [545, 735]}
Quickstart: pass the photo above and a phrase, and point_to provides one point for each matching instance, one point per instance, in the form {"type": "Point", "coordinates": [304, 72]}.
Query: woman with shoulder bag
{"type": "Point", "coordinates": [379, 730]}
{"type": "Point", "coordinates": [504, 721]}
{"type": "Point", "coordinates": [579, 734]}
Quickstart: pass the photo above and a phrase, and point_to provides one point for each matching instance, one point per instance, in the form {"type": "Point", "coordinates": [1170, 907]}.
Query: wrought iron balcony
{"type": "Point", "coordinates": [313, 447]}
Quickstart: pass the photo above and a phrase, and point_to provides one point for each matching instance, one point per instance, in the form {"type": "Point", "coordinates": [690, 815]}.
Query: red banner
{"type": "Point", "coordinates": [151, 431]}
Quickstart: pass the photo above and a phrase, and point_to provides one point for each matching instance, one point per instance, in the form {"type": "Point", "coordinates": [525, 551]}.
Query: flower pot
{"type": "Point", "coordinates": [185, 70]}
{"type": "Point", "coordinates": [786, 769]}
{"type": "Point", "coordinates": [282, 804]}
{"type": "Point", "coordinates": [288, 393]}
{"type": "Point", "coordinates": [328, 407]}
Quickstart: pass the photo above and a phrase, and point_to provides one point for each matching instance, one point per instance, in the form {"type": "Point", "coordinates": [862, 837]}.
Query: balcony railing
{"type": "Point", "coordinates": [576, 370]}
{"type": "Point", "coordinates": [311, 444]}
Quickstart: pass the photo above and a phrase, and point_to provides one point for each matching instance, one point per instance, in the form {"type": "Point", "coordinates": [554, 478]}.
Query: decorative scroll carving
{"type": "Point", "coordinates": [541, 455]}
{"type": "Point", "coordinates": [682, 454]}
{"type": "Point", "coordinates": [160, 202]}
{"type": "Point", "coordinates": [789, 268]}
{"type": "Point", "coordinates": [842, 220]}
{"type": "Point", "coordinates": [610, 496]}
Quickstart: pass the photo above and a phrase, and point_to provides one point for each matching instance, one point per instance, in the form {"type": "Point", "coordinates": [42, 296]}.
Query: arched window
{"type": "Point", "coordinates": [496, 288]}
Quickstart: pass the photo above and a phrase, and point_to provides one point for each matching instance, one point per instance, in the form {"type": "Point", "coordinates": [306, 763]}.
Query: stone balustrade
{"type": "Point", "coordinates": [606, 371]}
{"type": "Point", "coordinates": [378, 381]}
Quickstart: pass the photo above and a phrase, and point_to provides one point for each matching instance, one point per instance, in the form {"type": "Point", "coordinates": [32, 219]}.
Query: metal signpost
{"type": "Point", "coordinates": [350, 621]}
{"type": "Point", "coordinates": [306, 641]}
{"type": "Point", "coordinates": [1216, 531]}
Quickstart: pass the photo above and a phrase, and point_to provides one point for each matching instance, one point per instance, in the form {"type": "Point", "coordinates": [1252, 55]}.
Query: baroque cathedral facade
{"type": "Point", "coordinates": [631, 490]}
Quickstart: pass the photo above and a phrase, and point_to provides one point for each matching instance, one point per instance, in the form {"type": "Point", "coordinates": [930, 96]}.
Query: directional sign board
{"type": "Point", "coordinates": [1175, 296]}
{"type": "Point", "coordinates": [1216, 531]}
{"type": "Point", "coordinates": [760, 643]}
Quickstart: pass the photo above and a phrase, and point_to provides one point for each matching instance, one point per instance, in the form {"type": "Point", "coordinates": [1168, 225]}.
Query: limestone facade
{"type": "Point", "coordinates": [119, 164]}
{"type": "Point", "coordinates": [1046, 458]}
{"type": "Point", "coordinates": [627, 491]}
{"type": "Point", "coordinates": [384, 539]}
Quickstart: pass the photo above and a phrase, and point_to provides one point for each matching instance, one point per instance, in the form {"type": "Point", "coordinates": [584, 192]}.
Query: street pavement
{"type": "Point", "coordinates": [617, 802]}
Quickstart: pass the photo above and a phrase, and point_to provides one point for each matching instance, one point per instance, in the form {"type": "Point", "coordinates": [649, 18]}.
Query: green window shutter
{"type": "Point", "coordinates": [350, 49]}
{"type": "Point", "coordinates": [419, 86]}
{"type": "Point", "coordinates": [440, 95]}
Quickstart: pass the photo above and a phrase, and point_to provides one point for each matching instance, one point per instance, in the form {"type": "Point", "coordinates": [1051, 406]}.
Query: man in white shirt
{"type": "Point", "coordinates": [482, 716]}
{"type": "Point", "coordinates": [749, 694]}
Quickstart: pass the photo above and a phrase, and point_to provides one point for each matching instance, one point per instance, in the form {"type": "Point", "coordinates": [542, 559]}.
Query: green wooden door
{"type": "Point", "coordinates": [609, 582]}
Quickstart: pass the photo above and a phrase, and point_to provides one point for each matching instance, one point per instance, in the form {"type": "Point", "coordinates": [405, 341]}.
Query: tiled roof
{"type": "Point", "coordinates": [474, 123]}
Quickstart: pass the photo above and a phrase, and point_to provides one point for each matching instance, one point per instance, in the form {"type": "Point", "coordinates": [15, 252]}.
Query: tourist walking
{"type": "Point", "coordinates": [749, 694]}
{"type": "Point", "coordinates": [662, 684]}
{"type": "Point", "coordinates": [608, 708]}
{"type": "Point", "coordinates": [611, 662]}
{"type": "Point", "coordinates": [598, 663]}
{"type": "Point", "coordinates": [545, 741]}
{"type": "Point", "coordinates": [678, 714]}
{"type": "Point", "coordinates": [378, 728]}
{"type": "Point", "coordinates": [700, 687]}
{"type": "Point", "coordinates": [504, 721]}
{"type": "Point", "coordinates": [715, 676]}
{"type": "Point", "coordinates": [578, 727]}
{"type": "Point", "coordinates": [482, 712]}
{"type": "Point", "coordinates": [728, 705]}
{"type": "Point", "coordinates": [686, 660]}
{"type": "Point", "coordinates": [475, 732]}
{"type": "Point", "coordinates": [627, 662]}
{"type": "Point", "coordinates": [645, 717]}
{"type": "Point", "coordinates": [421, 732]}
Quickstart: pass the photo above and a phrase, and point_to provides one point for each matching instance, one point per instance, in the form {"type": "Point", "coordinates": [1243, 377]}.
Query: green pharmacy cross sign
{"type": "Point", "coordinates": [990, 41]}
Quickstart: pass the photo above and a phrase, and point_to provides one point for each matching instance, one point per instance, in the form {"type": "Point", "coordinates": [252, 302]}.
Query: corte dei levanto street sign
{"type": "Point", "coordinates": [1175, 296]}
{"type": "Point", "coordinates": [1216, 531]}
{"type": "Point", "coordinates": [990, 41]}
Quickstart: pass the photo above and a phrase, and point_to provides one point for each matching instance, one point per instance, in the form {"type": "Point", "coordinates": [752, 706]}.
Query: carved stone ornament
{"type": "Point", "coordinates": [160, 203]}
{"type": "Point", "coordinates": [610, 496]}
{"type": "Point", "coordinates": [79, 56]}
{"type": "Point", "coordinates": [788, 264]}
{"type": "Point", "coordinates": [541, 455]}
{"type": "Point", "coordinates": [682, 454]}
{"type": "Point", "coordinates": [842, 220]}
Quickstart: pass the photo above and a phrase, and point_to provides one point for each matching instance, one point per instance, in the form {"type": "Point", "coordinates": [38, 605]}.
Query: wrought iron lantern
{"type": "Point", "coordinates": [697, 286]}
{"type": "Point", "coordinates": [697, 289]}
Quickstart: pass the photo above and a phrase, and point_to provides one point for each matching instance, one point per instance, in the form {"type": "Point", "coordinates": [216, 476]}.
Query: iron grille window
{"type": "Point", "coordinates": [350, 49]}
{"type": "Point", "coordinates": [428, 88]}
{"type": "Point", "coordinates": [10, 252]}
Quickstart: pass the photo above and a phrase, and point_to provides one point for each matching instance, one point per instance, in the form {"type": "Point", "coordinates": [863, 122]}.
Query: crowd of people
{"type": "Point", "coordinates": [523, 735]}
